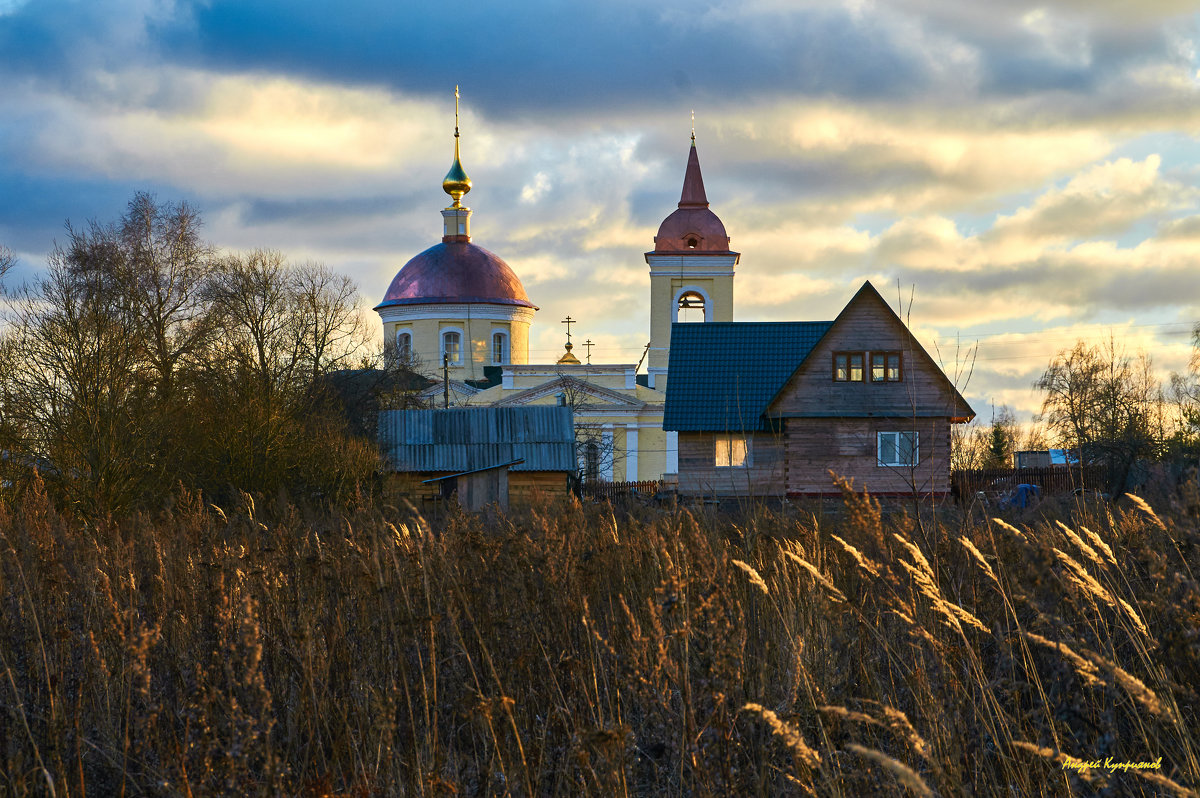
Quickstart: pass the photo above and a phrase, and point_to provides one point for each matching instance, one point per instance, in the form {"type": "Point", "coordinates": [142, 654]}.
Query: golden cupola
{"type": "Point", "coordinates": [456, 182]}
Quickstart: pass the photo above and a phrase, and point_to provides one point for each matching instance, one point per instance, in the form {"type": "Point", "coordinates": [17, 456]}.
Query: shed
{"type": "Point", "coordinates": [504, 453]}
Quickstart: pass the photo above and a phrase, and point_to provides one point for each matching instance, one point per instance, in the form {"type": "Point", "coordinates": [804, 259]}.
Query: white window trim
{"type": "Point", "coordinates": [745, 439]}
{"type": "Point", "coordinates": [507, 346]}
{"type": "Point", "coordinates": [404, 331]}
{"type": "Point", "coordinates": [687, 289]}
{"type": "Point", "coordinates": [462, 344]}
{"type": "Point", "coordinates": [916, 448]}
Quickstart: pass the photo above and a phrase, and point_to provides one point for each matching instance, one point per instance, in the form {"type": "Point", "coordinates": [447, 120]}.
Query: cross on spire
{"type": "Point", "coordinates": [456, 116]}
{"type": "Point", "coordinates": [588, 345]}
{"type": "Point", "coordinates": [569, 321]}
{"type": "Point", "coordinates": [693, 127]}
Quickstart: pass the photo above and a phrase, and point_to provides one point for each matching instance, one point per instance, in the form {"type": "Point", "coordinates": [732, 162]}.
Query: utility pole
{"type": "Point", "coordinates": [446, 380]}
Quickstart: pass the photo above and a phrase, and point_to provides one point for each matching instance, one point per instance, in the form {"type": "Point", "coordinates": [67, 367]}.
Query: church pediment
{"type": "Point", "coordinates": [578, 393]}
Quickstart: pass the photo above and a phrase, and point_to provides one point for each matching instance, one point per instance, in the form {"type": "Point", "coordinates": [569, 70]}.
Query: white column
{"type": "Point", "coordinates": [631, 452]}
{"type": "Point", "coordinates": [607, 452]}
{"type": "Point", "coordinates": [672, 452]}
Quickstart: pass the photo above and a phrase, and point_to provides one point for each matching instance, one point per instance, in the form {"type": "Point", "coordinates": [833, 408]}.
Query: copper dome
{"type": "Point", "coordinates": [692, 227]}
{"type": "Point", "coordinates": [456, 272]}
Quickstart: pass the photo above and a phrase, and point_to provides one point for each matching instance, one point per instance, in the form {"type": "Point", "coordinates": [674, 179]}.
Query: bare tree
{"type": "Point", "coordinates": [1106, 405]}
{"type": "Point", "coordinates": [7, 260]}
{"type": "Point", "coordinates": [166, 272]}
{"type": "Point", "coordinates": [329, 327]}
{"type": "Point", "coordinates": [72, 384]}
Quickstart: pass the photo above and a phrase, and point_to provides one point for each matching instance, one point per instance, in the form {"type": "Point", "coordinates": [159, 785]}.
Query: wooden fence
{"type": "Point", "coordinates": [613, 490]}
{"type": "Point", "coordinates": [1051, 479]}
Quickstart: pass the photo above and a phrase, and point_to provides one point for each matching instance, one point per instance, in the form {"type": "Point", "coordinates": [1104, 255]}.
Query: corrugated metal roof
{"type": "Point", "coordinates": [469, 438]}
{"type": "Point", "coordinates": [722, 375]}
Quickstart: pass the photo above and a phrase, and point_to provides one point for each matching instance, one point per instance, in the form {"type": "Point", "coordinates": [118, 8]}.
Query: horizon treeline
{"type": "Point", "coordinates": [143, 359]}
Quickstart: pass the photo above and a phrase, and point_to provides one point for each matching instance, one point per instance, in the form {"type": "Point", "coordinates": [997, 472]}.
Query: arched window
{"type": "Point", "coordinates": [452, 346]}
{"type": "Point", "coordinates": [403, 344]}
{"type": "Point", "coordinates": [691, 306]}
{"type": "Point", "coordinates": [499, 348]}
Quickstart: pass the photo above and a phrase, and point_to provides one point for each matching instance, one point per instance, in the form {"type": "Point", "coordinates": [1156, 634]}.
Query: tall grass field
{"type": "Point", "coordinates": [843, 649]}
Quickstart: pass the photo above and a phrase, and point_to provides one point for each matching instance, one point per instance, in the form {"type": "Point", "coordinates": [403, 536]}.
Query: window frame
{"type": "Point", "coordinates": [403, 351]}
{"type": "Point", "coordinates": [444, 333]}
{"type": "Point", "coordinates": [729, 440]}
{"type": "Point", "coordinates": [898, 463]}
{"type": "Point", "coordinates": [505, 348]}
{"type": "Point", "coordinates": [887, 355]}
{"type": "Point", "coordinates": [849, 355]}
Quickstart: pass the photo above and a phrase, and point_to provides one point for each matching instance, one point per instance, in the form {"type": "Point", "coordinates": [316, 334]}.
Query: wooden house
{"type": "Point", "coordinates": [770, 409]}
{"type": "Point", "coordinates": [480, 455]}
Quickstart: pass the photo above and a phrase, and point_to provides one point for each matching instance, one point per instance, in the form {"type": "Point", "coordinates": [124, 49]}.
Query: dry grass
{"type": "Point", "coordinates": [580, 650]}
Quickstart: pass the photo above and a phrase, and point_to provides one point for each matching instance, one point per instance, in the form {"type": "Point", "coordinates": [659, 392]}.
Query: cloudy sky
{"type": "Point", "coordinates": [1022, 173]}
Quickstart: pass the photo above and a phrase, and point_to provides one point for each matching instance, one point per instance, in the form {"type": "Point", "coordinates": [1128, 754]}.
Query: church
{"type": "Point", "coordinates": [462, 314]}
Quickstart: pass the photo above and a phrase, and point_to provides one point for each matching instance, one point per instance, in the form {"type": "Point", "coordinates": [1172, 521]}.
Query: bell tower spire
{"type": "Point", "coordinates": [691, 268]}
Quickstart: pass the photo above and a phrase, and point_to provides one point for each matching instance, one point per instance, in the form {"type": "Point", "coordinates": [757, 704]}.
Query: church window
{"type": "Point", "coordinates": [898, 449]}
{"type": "Point", "coordinates": [452, 346]}
{"type": "Point", "coordinates": [692, 307]}
{"type": "Point", "coordinates": [847, 366]}
{"type": "Point", "coordinates": [885, 367]}
{"type": "Point", "coordinates": [591, 462]}
{"type": "Point", "coordinates": [731, 451]}
{"type": "Point", "coordinates": [692, 243]}
{"type": "Point", "coordinates": [499, 348]}
{"type": "Point", "coordinates": [403, 344]}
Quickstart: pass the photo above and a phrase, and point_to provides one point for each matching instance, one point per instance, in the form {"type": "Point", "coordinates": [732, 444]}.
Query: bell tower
{"type": "Point", "coordinates": [691, 269]}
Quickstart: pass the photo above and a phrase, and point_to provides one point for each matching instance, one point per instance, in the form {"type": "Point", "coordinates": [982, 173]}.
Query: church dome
{"type": "Point", "coordinates": [692, 227]}
{"type": "Point", "coordinates": [456, 272]}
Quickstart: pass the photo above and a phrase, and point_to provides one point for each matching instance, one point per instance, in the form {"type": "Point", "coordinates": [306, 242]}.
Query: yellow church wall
{"type": "Point", "coordinates": [477, 333]}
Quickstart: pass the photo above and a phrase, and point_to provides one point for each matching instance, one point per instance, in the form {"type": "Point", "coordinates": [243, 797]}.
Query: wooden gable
{"type": "Point", "coordinates": [868, 324]}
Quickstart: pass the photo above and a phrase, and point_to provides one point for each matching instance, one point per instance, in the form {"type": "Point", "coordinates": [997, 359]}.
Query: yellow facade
{"type": "Point", "coordinates": [672, 276]}
{"type": "Point", "coordinates": [476, 329]}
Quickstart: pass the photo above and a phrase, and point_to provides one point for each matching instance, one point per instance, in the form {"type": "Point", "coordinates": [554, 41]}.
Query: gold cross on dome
{"type": "Point", "coordinates": [569, 321]}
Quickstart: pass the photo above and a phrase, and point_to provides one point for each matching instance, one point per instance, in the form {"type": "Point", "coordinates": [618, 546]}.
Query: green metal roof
{"type": "Point", "coordinates": [722, 375]}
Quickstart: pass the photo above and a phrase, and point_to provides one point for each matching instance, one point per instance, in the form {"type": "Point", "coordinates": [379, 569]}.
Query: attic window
{"type": "Point", "coordinates": [885, 367]}
{"type": "Point", "coordinates": [692, 306]}
{"type": "Point", "coordinates": [692, 243]}
{"type": "Point", "coordinates": [848, 366]}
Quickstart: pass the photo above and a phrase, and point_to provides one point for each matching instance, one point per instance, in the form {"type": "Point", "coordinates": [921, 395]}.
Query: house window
{"type": "Point", "coordinates": [885, 367]}
{"type": "Point", "coordinates": [403, 344]}
{"type": "Point", "coordinates": [847, 366]}
{"type": "Point", "coordinates": [452, 346]}
{"type": "Point", "coordinates": [691, 306]}
{"type": "Point", "coordinates": [731, 452]}
{"type": "Point", "coordinates": [499, 348]}
{"type": "Point", "coordinates": [898, 449]}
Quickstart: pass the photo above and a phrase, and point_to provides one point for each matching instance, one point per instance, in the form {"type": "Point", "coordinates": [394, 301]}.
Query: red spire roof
{"type": "Point", "coordinates": [693, 183]}
{"type": "Point", "coordinates": [692, 227]}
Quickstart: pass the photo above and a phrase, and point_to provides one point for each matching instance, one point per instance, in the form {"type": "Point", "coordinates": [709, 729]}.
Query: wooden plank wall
{"type": "Point", "coordinates": [698, 476]}
{"type": "Point", "coordinates": [866, 326]}
{"type": "Point", "coordinates": [523, 487]}
{"type": "Point", "coordinates": [848, 447]}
